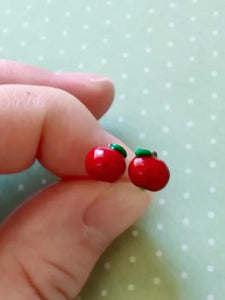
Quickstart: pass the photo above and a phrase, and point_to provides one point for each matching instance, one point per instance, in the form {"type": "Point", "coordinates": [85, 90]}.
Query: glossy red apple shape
{"type": "Point", "coordinates": [106, 163]}
{"type": "Point", "coordinates": [147, 171]}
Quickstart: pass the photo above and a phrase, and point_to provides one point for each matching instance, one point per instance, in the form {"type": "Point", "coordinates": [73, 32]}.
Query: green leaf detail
{"type": "Point", "coordinates": [143, 152]}
{"type": "Point", "coordinates": [119, 148]}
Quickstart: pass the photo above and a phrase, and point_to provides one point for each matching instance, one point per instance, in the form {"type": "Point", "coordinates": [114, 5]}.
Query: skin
{"type": "Point", "coordinates": [49, 245]}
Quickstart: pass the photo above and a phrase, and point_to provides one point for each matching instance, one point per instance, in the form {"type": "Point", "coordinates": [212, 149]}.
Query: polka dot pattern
{"type": "Point", "coordinates": [165, 58]}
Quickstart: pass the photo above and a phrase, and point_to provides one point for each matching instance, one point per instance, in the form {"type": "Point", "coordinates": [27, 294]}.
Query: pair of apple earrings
{"type": "Point", "coordinates": [145, 170]}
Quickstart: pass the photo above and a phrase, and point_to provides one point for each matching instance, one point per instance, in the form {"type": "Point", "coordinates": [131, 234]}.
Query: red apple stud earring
{"type": "Point", "coordinates": [106, 163]}
{"type": "Point", "coordinates": [147, 171]}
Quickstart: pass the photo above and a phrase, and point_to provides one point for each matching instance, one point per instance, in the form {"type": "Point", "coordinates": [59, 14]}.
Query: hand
{"type": "Point", "coordinates": [49, 245]}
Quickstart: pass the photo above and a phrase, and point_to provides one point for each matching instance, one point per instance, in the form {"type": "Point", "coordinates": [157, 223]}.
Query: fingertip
{"type": "Point", "coordinates": [96, 92]}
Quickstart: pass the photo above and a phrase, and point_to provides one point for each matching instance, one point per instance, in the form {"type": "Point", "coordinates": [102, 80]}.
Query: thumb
{"type": "Point", "coordinates": [49, 246]}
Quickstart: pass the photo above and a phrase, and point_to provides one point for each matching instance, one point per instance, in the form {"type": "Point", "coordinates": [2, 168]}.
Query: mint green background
{"type": "Point", "coordinates": [166, 59]}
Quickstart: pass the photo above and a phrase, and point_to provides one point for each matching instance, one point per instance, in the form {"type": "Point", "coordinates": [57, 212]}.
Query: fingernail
{"type": "Point", "coordinates": [98, 78]}
{"type": "Point", "coordinates": [83, 76]}
{"type": "Point", "coordinates": [117, 208]}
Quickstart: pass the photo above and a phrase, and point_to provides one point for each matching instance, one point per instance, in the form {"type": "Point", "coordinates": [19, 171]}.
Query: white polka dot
{"type": "Point", "coordinates": [104, 61]}
{"type": "Point", "coordinates": [192, 38]}
{"type": "Point", "coordinates": [212, 189]}
{"type": "Point", "coordinates": [214, 73]}
{"type": "Point", "coordinates": [131, 287]}
{"type": "Point", "coordinates": [146, 69]}
{"type": "Point", "coordinates": [214, 95]}
{"type": "Point", "coordinates": [186, 221]}
{"type": "Point", "coordinates": [5, 30]}
{"type": "Point", "coordinates": [80, 66]}
{"type": "Point", "coordinates": [169, 64]}
{"type": "Point", "coordinates": [67, 14]}
{"type": "Point", "coordinates": [193, 18]}
{"type": "Point", "coordinates": [213, 117]}
{"type": "Point", "coordinates": [164, 152]}
{"type": "Point", "coordinates": [20, 187]}
{"type": "Point", "coordinates": [28, 7]}
{"type": "Point", "coordinates": [145, 92]}
{"type": "Point", "coordinates": [213, 141]}
{"type": "Point", "coordinates": [142, 135]}
{"type": "Point", "coordinates": [215, 13]}
{"type": "Point", "coordinates": [188, 170]}
{"type": "Point", "coordinates": [165, 129]}
{"type": "Point", "coordinates": [184, 275]}
{"type": "Point", "coordinates": [186, 195]}
{"type": "Point", "coordinates": [190, 101]}
{"type": "Point", "coordinates": [121, 96]}
{"type": "Point", "coordinates": [108, 22]}
{"type": "Point", "coordinates": [120, 119]}
{"type": "Point", "coordinates": [167, 107]}
{"type": "Point", "coordinates": [191, 79]}
{"type": "Point", "coordinates": [61, 51]}
{"type": "Point", "coordinates": [184, 247]}
{"type": "Point", "coordinates": [125, 55]}
{"type": "Point", "coordinates": [143, 112]}
{"type": "Point", "coordinates": [148, 50]}
{"type": "Point", "coordinates": [159, 253]}
{"type": "Point", "coordinates": [211, 215]}
{"type": "Point", "coordinates": [88, 8]}
{"type": "Point", "coordinates": [170, 44]}
{"type": "Point", "coordinates": [214, 32]}
{"type": "Point", "coordinates": [107, 265]}
{"type": "Point", "coordinates": [43, 37]}
{"type": "Point", "coordinates": [210, 268]}
{"type": "Point", "coordinates": [212, 164]}
{"type": "Point", "coordinates": [151, 11]}
{"type": "Point", "coordinates": [128, 16]}
{"type": "Point", "coordinates": [190, 123]}
{"type": "Point", "coordinates": [156, 281]}
{"type": "Point", "coordinates": [149, 29]}
{"type": "Point", "coordinates": [211, 242]}
{"type": "Point", "coordinates": [65, 32]}
{"type": "Point", "coordinates": [191, 58]}
{"type": "Point", "coordinates": [127, 35]}
{"type": "Point", "coordinates": [168, 85]}
{"type": "Point", "coordinates": [1, 49]}
{"type": "Point", "coordinates": [40, 57]}
{"type": "Point", "coordinates": [135, 233]}
{"type": "Point", "coordinates": [194, 1]}
{"type": "Point", "coordinates": [105, 40]}
{"type": "Point", "coordinates": [43, 181]}
{"type": "Point", "coordinates": [188, 146]}
{"type": "Point", "coordinates": [22, 44]}
{"type": "Point", "coordinates": [172, 4]}
{"type": "Point", "coordinates": [104, 293]}
{"type": "Point", "coordinates": [210, 297]}
{"type": "Point", "coordinates": [25, 24]}
{"type": "Point", "coordinates": [132, 259]}
{"type": "Point", "coordinates": [46, 20]}
{"type": "Point", "coordinates": [109, 3]}
{"type": "Point", "coordinates": [83, 47]}
{"type": "Point", "coordinates": [160, 227]}
{"type": "Point", "coordinates": [8, 11]}
{"type": "Point", "coordinates": [171, 24]}
{"type": "Point", "coordinates": [161, 201]}
{"type": "Point", "coordinates": [124, 76]}
{"type": "Point", "coordinates": [215, 53]}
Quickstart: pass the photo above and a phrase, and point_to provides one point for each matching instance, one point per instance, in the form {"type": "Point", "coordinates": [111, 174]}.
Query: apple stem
{"type": "Point", "coordinates": [154, 154]}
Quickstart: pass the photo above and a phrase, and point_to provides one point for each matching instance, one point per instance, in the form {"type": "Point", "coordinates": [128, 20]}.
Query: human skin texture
{"type": "Point", "coordinates": [50, 244]}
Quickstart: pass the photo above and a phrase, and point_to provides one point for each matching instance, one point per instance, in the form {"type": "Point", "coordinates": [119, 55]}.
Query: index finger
{"type": "Point", "coordinates": [49, 124]}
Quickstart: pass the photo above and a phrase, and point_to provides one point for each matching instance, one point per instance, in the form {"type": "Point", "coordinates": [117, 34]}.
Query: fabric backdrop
{"type": "Point", "coordinates": [166, 60]}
